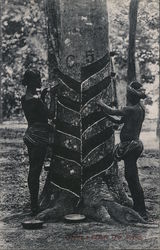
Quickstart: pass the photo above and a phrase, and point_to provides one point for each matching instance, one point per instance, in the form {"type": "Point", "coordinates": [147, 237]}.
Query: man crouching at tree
{"type": "Point", "coordinates": [130, 147]}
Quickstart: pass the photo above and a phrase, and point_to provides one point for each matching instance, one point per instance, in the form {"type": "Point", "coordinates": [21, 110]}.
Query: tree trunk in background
{"type": "Point", "coordinates": [79, 179]}
{"type": "Point", "coordinates": [158, 121]}
{"type": "Point", "coordinates": [131, 73]}
{"type": "Point", "coordinates": [1, 116]}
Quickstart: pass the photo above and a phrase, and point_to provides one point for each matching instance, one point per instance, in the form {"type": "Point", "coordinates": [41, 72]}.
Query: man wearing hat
{"type": "Point", "coordinates": [130, 147]}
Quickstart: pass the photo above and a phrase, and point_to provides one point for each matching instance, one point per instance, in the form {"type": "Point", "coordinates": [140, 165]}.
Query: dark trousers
{"type": "Point", "coordinates": [131, 175]}
{"type": "Point", "coordinates": [36, 160]}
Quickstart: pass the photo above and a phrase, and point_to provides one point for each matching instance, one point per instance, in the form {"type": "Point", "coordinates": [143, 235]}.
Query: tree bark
{"type": "Point", "coordinates": [83, 176]}
{"type": "Point", "coordinates": [1, 116]}
{"type": "Point", "coordinates": [158, 121]}
{"type": "Point", "coordinates": [131, 73]}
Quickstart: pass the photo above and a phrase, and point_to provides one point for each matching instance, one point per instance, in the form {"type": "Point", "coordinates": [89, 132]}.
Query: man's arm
{"type": "Point", "coordinates": [53, 103]}
{"type": "Point", "coordinates": [110, 111]}
{"type": "Point", "coordinates": [114, 120]}
{"type": "Point", "coordinates": [53, 92]}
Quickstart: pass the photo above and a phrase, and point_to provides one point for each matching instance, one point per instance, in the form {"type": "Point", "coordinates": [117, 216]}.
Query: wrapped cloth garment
{"type": "Point", "coordinates": [39, 134]}
{"type": "Point", "coordinates": [124, 148]}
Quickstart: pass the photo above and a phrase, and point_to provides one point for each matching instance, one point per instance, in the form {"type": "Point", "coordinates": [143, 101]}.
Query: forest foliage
{"type": "Point", "coordinates": [24, 44]}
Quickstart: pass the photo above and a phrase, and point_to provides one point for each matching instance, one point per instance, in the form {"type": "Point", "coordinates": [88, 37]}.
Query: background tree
{"type": "Point", "coordinates": [1, 118]}
{"type": "Point", "coordinates": [24, 44]}
{"type": "Point", "coordinates": [133, 11]}
{"type": "Point", "coordinates": [24, 34]}
{"type": "Point", "coordinates": [146, 48]}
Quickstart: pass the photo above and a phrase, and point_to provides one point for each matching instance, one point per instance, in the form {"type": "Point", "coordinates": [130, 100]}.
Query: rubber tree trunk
{"type": "Point", "coordinates": [79, 60]}
{"type": "Point", "coordinates": [84, 137]}
{"type": "Point", "coordinates": [133, 10]}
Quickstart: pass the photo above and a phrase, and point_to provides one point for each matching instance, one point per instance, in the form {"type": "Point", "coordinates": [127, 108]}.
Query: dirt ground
{"type": "Point", "coordinates": [86, 235]}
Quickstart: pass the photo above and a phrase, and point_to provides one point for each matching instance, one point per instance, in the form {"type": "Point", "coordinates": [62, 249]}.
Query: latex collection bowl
{"type": "Point", "coordinates": [74, 217]}
{"type": "Point", "coordinates": [32, 224]}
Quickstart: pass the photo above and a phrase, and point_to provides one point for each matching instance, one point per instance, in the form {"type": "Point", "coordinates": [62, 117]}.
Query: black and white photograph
{"type": "Point", "coordinates": [79, 125]}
